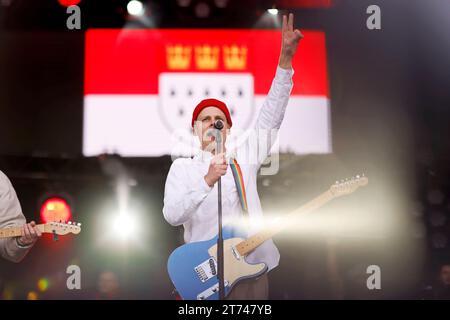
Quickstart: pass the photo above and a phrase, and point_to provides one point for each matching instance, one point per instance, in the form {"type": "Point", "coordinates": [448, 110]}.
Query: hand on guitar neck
{"type": "Point", "coordinates": [30, 233]}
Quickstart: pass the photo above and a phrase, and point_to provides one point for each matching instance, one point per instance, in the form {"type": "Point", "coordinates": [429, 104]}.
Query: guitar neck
{"type": "Point", "coordinates": [16, 231]}
{"type": "Point", "coordinates": [250, 244]}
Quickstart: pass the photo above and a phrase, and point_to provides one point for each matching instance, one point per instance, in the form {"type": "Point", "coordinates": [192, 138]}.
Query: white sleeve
{"type": "Point", "coordinates": [272, 111]}
{"type": "Point", "coordinates": [271, 116]}
{"type": "Point", "coordinates": [10, 216]}
{"type": "Point", "coordinates": [181, 195]}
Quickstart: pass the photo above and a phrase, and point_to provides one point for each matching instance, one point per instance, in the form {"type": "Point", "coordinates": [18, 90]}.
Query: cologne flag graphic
{"type": "Point", "coordinates": [141, 87]}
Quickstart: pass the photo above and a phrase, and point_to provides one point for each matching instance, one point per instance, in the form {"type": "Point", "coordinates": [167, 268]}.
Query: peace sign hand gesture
{"type": "Point", "coordinates": [289, 43]}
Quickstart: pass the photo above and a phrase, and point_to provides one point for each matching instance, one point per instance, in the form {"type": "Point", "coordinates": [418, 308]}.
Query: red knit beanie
{"type": "Point", "coordinates": [211, 103]}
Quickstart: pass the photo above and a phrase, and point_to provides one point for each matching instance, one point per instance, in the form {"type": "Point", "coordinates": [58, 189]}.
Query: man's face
{"type": "Point", "coordinates": [445, 274]}
{"type": "Point", "coordinates": [205, 124]}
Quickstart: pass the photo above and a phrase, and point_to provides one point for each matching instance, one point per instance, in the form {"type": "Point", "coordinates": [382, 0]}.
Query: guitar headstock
{"type": "Point", "coordinates": [62, 228]}
{"type": "Point", "coordinates": [347, 186]}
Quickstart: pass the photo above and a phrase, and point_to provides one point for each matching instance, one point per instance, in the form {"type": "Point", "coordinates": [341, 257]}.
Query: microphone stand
{"type": "Point", "coordinates": [220, 262]}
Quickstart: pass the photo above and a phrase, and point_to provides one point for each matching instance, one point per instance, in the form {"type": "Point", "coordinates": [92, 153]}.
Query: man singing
{"type": "Point", "coordinates": [190, 197]}
{"type": "Point", "coordinates": [14, 249]}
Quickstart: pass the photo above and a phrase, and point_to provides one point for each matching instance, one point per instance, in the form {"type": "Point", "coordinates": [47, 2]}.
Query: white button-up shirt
{"type": "Point", "coordinates": [189, 201]}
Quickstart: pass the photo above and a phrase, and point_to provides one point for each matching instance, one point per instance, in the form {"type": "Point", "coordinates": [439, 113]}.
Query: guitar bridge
{"type": "Point", "coordinates": [206, 270]}
{"type": "Point", "coordinates": [210, 291]}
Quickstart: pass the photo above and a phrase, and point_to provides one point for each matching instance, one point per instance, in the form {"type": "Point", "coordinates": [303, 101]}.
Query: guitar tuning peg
{"type": "Point", "coordinates": [70, 222]}
{"type": "Point", "coordinates": [79, 224]}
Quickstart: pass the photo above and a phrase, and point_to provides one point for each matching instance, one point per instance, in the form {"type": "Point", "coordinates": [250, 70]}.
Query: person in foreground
{"type": "Point", "coordinates": [14, 249]}
{"type": "Point", "coordinates": [191, 196]}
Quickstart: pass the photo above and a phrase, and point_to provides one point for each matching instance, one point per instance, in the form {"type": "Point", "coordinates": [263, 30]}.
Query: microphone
{"type": "Point", "coordinates": [218, 124]}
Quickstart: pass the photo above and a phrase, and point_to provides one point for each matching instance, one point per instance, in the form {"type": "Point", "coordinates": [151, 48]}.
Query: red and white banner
{"type": "Point", "coordinates": [142, 85]}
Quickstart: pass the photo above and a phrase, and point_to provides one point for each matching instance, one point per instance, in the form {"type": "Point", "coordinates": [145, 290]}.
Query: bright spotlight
{"type": "Point", "coordinates": [273, 11]}
{"type": "Point", "coordinates": [135, 8]}
{"type": "Point", "coordinates": [124, 226]}
{"type": "Point", "coordinates": [55, 209]}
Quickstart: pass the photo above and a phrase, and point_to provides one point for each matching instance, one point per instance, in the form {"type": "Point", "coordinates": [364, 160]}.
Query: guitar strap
{"type": "Point", "coordinates": [239, 180]}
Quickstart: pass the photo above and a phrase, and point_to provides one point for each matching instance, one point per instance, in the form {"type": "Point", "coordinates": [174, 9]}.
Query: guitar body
{"type": "Point", "coordinates": [193, 267]}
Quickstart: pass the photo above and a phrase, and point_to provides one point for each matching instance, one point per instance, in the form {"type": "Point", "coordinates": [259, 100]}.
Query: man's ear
{"type": "Point", "coordinates": [227, 128]}
{"type": "Point", "coordinates": [196, 128]}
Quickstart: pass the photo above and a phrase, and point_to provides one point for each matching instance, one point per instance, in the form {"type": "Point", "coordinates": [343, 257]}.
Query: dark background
{"type": "Point", "coordinates": [390, 110]}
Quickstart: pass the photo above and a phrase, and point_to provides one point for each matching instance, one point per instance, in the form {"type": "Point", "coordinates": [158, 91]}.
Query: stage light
{"type": "Point", "coordinates": [43, 284]}
{"type": "Point", "coordinates": [55, 209]}
{"type": "Point", "coordinates": [119, 231]}
{"type": "Point", "coordinates": [202, 10]}
{"type": "Point", "coordinates": [68, 3]}
{"type": "Point", "coordinates": [184, 3]}
{"type": "Point", "coordinates": [135, 8]}
{"type": "Point", "coordinates": [32, 295]}
{"type": "Point", "coordinates": [8, 293]}
{"type": "Point", "coordinates": [273, 11]}
{"type": "Point", "coordinates": [221, 3]}
{"type": "Point", "coordinates": [5, 3]}
{"type": "Point", "coordinates": [124, 226]}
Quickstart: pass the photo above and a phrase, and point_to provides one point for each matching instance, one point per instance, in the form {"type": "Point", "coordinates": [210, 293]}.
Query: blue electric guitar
{"type": "Point", "coordinates": [193, 267]}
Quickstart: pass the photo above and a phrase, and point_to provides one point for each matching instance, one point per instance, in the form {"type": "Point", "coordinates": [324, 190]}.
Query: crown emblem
{"type": "Point", "coordinates": [234, 57]}
{"type": "Point", "coordinates": [206, 57]}
{"type": "Point", "coordinates": [178, 57]}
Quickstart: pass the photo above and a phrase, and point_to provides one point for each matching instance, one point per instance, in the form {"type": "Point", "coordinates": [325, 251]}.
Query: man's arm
{"type": "Point", "coordinates": [273, 109]}
{"type": "Point", "coordinates": [182, 196]}
{"type": "Point", "coordinates": [14, 249]}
